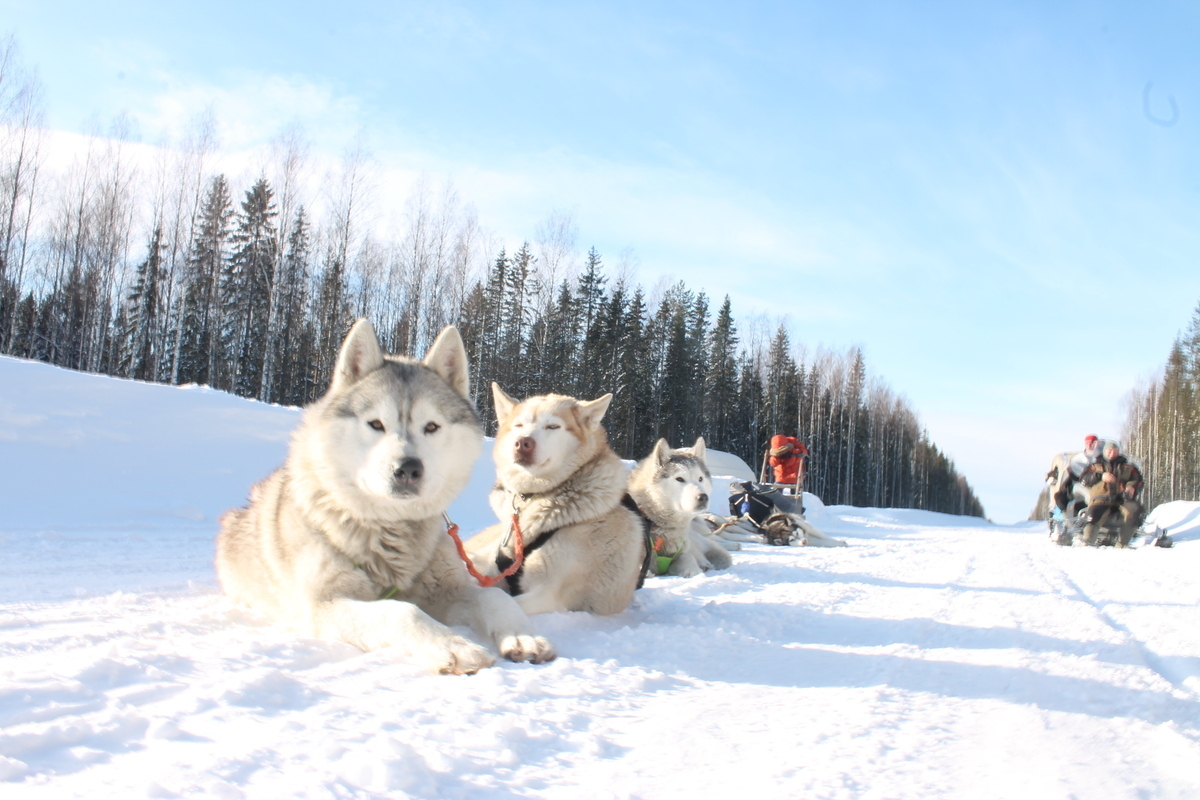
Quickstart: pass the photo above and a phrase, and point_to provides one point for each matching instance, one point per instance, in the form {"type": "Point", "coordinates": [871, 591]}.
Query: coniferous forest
{"type": "Point", "coordinates": [1162, 426]}
{"type": "Point", "coordinates": [161, 270]}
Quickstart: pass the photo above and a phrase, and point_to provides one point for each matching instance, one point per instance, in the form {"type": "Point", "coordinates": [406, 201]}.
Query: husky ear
{"type": "Point", "coordinates": [662, 452]}
{"type": "Point", "coordinates": [592, 411]}
{"type": "Point", "coordinates": [448, 357]}
{"type": "Point", "coordinates": [698, 448]}
{"type": "Point", "coordinates": [504, 403]}
{"type": "Point", "coordinates": [360, 355]}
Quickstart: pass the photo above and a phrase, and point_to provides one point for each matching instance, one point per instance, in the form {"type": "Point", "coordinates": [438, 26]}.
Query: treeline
{"type": "Point", "coordinates": [1162, 426]}
{"type": "Point", "coordinates": [160, 274]}
{"type": "Point", "coordinates": [679, 371]}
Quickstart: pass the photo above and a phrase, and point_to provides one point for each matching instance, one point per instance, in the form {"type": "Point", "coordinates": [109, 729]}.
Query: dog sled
{"type": "Point", "coordinates": [764, 513]}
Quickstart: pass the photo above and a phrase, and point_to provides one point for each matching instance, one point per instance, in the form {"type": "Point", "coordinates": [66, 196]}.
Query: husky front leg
{"type": "Point", "coordinates": [716, 556]}
{"type": "Point", "coordinates": [542, 599]}
{"type": "Point", "coordinates": [685, 565]}
{"type": "Point", "coordinates": [496, 615]}
{"type": "Point", "coordinates": [375, 624]}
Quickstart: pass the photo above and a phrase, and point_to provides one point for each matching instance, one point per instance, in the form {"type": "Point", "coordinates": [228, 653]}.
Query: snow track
{"type": "Point", "coordinates": [924, 660]}
{"type": "Point", "coordinates": [1148, 657]}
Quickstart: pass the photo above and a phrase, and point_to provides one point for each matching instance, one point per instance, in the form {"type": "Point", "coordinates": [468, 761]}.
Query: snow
{"type": "Point", "coordinates": [936, 656]}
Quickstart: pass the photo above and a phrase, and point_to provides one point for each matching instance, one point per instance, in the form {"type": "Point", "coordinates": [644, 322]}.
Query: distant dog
{"type": "Point", "coordinates": [775, 517]}
{"type": "Point", "coordinates": [793, 530]}
{"type": "Point", "coordinates": [670, 488]}
{"type": "Point", "coordinates": [559, 485]}
{"type": "Point", "coordinates": [346, 541]}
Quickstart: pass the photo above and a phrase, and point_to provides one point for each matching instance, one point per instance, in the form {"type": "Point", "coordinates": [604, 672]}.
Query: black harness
{"type": "Point", "coordinates": [503, 562]}
{"type": "Point", "coordinates": [647, 538]}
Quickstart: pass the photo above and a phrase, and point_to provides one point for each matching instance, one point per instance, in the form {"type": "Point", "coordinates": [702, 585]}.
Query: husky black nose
{"type": "Point", "coordinates": [409, 473]}
{"type": "Point", "coordinates": [701, 500]}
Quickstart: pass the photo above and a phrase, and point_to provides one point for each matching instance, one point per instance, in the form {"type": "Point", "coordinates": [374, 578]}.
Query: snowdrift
{"type": "Point", "coordinates": [937, 656]}
{"type": "Point", "coordinates": [1181, 518]}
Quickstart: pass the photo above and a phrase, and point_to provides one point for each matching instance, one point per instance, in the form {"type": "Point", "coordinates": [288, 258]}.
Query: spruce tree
{"type": "Point", "coordinates": [613, 339]}
{"type": "Point", "coordinates": [491, 337]}
{"type": "Point", "coordinates": [514, 313]}
{"type": "Point", "coordinates": [562, 344]}
{"type": "Point", "coordinates": [330, 316]}
{"type": "Point", "coordinates": [589, 304]}
{"type": "Point", "coordinates": [246, 289]}
{"type": "Point", "coordinates": [783, 405]}
{"type": "Point", "coordinates": [590, 291]}
{"type": "Point", "coordinates": [141, 319]}
{"type": "Point", "coordinates": [293, 382]}
{"type": "Point", "coordinates": [638, 369]}
{"type": "Point", "coordinates": [721, 379]}
{"type": "Point", "coordinates": [200, 351]}
{"type": "Point", "coordinates": [676, 418]}
{"type": "Point", "coordinates": [471, 323]}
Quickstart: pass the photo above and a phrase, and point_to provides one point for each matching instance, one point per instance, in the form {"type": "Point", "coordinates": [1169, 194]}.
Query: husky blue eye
{"type": "Point", "coordinates": [553, 427]}
{"type": "Point", "coordinates": [432, 427]}
{"type": "Point", "coordinates": [376, 424]}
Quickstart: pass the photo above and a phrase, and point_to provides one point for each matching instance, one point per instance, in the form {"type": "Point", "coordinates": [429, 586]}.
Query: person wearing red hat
{"type": "Point", "coordinates": [787, 458]}
{"type": "Point", "coordinates": [1081, 463]}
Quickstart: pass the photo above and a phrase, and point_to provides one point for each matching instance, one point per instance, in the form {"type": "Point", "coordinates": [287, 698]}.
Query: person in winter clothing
{"type": "Point", "coordinates": [1113, 484]}
{"type": "Point", "coordinates": [787, 458]}
{"type": "Point", "coordinates": [1092, 447]}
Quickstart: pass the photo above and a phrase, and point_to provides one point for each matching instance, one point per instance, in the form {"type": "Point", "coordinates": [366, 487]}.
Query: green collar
{"type": "Point", "coordinates": [386, 594]}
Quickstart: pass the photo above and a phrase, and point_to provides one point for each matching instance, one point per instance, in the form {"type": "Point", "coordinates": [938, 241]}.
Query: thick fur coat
{"type": "Point", "coordinates": [671, 489]}
{"type": "Point", "coordinates": [346, 541]}
{"type": "Point", "coordinates": [558, 477]}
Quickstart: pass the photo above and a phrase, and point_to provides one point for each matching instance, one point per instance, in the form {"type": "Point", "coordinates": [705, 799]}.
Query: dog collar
{"type": "Point", "coordinates": [385, 594]}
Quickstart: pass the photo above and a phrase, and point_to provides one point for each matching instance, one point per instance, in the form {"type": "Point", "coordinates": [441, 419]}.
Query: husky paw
{"type": "Point", "coordinates": [527, 647]}
{"type": "Point", "coordinates": [460, 657]}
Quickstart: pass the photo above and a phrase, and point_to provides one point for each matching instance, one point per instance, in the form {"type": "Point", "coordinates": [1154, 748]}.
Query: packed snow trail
{"type": "Point", "coordinates": [936, 656]}
{"type": "Point", "coordinates": [923, 660]}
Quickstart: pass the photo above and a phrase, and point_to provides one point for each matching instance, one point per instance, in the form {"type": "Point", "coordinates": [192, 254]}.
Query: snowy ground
{"type": "Point", "coordinates": [936, 656]}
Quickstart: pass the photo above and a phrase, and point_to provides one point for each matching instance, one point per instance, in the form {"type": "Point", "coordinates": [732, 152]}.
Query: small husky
{"type": "Point", "coordinates": [345, 541]}
{"type": "Point", "coordinates": [560, 485]}
{"type": "Point", "coordinates": [670, 488]}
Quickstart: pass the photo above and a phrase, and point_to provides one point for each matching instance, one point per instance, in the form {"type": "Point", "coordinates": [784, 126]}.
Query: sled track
{"type": "Point", "coordinates": [1148, 657]}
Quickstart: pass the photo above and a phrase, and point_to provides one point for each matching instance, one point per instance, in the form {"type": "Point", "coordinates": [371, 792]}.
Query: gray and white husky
{"type": "Point", "coordinates": [671, 489]}
{"type": "Point", "coordinates": [346, 540]}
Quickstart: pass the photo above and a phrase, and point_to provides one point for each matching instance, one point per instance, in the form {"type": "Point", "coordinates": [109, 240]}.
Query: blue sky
{"type": "Point", "coordinates": [987, 200]}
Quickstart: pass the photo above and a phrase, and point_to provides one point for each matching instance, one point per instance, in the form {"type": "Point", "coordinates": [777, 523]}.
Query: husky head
{"type": "Point", "coordinates": [393, 438]}
{"type": "Point", "coordinates": [676, 483]}
{"type": "Point", "coordinates": [543, 440]}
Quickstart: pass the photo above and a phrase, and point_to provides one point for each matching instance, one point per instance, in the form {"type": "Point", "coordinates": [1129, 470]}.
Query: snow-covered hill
{"type": "Point", "coordinates": [936, 656]}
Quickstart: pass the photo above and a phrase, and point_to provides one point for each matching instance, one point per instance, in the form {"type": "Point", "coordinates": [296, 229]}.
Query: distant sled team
{"type": "Point", "coordinates": [349, 539]}
{"type": "Point", "coordinates": [1092, 498]}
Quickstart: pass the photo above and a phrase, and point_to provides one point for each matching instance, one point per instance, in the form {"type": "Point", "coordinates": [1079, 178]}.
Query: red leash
{"type": "Point", "coordinates": [484, 580]}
